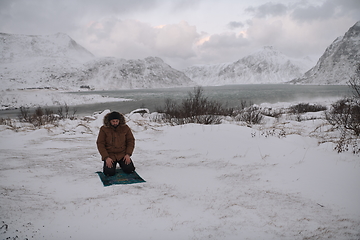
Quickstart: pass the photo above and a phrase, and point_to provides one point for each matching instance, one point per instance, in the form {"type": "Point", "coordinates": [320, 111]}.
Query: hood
{"type": "Point", "coordinates": [107, 121]}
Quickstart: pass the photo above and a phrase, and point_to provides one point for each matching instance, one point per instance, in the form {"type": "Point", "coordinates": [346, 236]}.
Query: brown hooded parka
{"type": "Point", "coordinates": [115, 142]}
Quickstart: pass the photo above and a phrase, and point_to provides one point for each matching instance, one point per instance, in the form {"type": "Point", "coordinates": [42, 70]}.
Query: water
{"type": "Point", "coordinates": [231, 95]}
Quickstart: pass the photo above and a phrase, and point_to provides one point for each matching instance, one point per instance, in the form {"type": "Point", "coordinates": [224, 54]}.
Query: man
{"type": "Point", "coordinates": [116, 144]}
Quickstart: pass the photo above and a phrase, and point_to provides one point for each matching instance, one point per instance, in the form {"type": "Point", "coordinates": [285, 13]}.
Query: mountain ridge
{"type": "Point", "coordinates": [338, 62]}
{"type": "Point", "coordinates": [266, 65]}
{"type": "Point", "coordinates": [58, 62]}
{"type": "Point", "coordinates": [114, 73]}
{"type": "Point", "coordinates": [59, 45]}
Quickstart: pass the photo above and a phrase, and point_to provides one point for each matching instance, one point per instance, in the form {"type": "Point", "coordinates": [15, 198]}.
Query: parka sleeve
{"type": "Point", "coordinates": [130, 142]}
{"type": "Point", "coordinates": [100, 142]}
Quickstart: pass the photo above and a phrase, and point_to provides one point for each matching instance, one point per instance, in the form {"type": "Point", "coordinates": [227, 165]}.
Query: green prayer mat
{"type": "Point", "coordinates": [120, 178]}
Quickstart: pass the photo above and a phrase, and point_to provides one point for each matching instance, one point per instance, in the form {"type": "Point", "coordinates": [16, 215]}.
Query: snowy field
{"type": "Point", "coordinates": [279, 180]}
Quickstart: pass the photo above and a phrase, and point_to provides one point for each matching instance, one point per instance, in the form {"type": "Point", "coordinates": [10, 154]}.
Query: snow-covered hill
{"type": "Point", "coordinates": [58, 62]}
{"type": "Point", "coordinates": [266, 65]}
{"type": "Point", "coordinates": [338, 62]}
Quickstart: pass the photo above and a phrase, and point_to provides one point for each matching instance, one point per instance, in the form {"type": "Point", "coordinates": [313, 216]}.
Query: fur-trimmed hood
{"type": "Point", "coordinates": [106, 120]}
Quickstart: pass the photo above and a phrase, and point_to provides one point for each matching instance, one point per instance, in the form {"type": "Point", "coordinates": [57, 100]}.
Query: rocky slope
{"type": "Point", "coordinates": [338, 62]}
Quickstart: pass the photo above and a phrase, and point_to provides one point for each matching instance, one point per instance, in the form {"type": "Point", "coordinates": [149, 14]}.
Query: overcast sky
{"type": "Point", "coordinates": [186, 32]}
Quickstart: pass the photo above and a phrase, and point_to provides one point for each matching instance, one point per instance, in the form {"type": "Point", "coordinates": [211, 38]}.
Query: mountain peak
{"type": "Point", "coordinates": [18, 47]}
{"type": "Point", "coordinates": [266, 49]}
{"type": "Point", "coordinates": [338, 62]}
{"type": "Point", "coordinates": [354, 31]}
{"type": "Point", "coordinates": [266, 52]}
{"type": "Point", "coordinates": [270, 48]}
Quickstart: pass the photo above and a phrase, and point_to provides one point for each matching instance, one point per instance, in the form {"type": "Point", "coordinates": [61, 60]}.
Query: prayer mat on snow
{"type": "Point", "coordinates": [120, 178]}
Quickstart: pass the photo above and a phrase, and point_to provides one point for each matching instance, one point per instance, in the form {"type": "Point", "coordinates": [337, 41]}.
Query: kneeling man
{"type": "Point", "coordinates": [116, 144]}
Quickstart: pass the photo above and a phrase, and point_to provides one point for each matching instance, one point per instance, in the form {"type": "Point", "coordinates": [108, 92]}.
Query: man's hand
{"type": "Point", "coordinates": [109, 162]}
{"type": "Point", "coordinates": [127, 159]}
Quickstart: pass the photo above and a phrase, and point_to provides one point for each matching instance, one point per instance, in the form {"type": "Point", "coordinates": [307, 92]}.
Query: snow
{"type": "Point", "coordinates": [338, 63]}
{"type": "Point", "coordinates": [41, 97]}
{"type": "Point", "coordinates": [266, 65]}
{"type": "Point", "coordinates": [57, 62]}
{"type": "Point", "coordinates": [278, 180]}
{"type": "Point", "coordinates": [20, 46]}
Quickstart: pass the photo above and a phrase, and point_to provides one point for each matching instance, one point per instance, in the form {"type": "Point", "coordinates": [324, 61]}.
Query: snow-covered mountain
{"type": "Point", "coordinates": [266, 65]}
{"type": "Point", "coordinates": [29, 61]}
{"type": "Point", "coordinates": [57, 61]}
{"type": "Point", "coordinates": [113, 73]}
{"type": "Point", "coordinates": [338, 62]}
{"type": "Point", "coordinates": [16, 47]}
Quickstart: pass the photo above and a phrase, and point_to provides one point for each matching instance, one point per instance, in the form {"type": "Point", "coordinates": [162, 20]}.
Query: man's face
{"type": "Point", "coordinates": [114, 122]}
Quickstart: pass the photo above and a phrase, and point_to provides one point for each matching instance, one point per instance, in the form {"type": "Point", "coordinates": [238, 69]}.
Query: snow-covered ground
{"type": "Point", "coordinates": [40, 97]}
{"type": "Point", "coordinates": [278, 180]}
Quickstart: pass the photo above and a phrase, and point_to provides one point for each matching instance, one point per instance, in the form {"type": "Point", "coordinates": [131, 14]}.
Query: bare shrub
{"type": "Point", "coordinates": [354, 82]}
{"type": "Point", "coordinates": [42, 116]}
{"type": "Point", "coordinates": [194, 109]}
{"type": "Point", "coordinates": [8, 122]}
{"type": "Point", "coordinates": [244, 104]}
{"type": "Point", "coordinates": [64, 112]}
{"type": "Point", "coordinates": [347, 143]}
{"type": "Point", "coordinates": [24, 114]}
{"type": "Point", "coordinates": [345, 114]}
{"type": "Point", "coordinates": [306, 107]}
{"type": "Point", "coordinates": [301, 108]}
{"type": "Point", "coordinates": [250, 115]}
{"type": "Point", "coordinates": [280, 133]}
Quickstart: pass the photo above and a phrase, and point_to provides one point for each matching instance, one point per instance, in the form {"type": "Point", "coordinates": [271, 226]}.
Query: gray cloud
{"type": "Point", "coordinates": [310, 12]}
{"type": "Point", "coordinates": [47, 16]}
{"type": "Point", "coordinates": [134, 39]}
{"type": "Point", "coordinates": [234, 25]}
{"type": "Point", "coordinates": [306, 10]}
{"type": "Point", "coordinates": [141, 28]}
{"type": "Point", "coordinates": [225, 40]}
{"type": "Point", "coordinates": [223, 48]}
{"type": "Point", "coordinates": [183, 5]}
{"type": "Point", "coordinates": [329, 9]}
{"type": "Point", "coordinates": [268, 9]}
